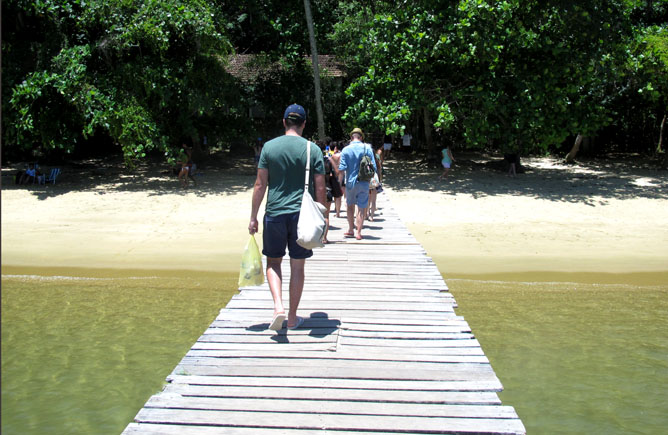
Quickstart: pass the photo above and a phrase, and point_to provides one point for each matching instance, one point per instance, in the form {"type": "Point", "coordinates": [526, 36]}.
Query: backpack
{"type": "Point", "coordinates": [366, 167]}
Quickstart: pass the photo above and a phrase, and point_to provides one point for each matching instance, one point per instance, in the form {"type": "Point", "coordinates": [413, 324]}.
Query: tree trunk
{"type": "Point", "coordinates": [316, 70]}
{"type": "Point", "coordinates": [659, 147]}
{"type": "Point", "coordinates": [570, 157]}
{"type": "Point", "coordinates": [428, 126]}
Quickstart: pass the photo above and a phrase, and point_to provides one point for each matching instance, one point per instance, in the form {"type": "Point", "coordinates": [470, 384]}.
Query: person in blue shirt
{"type": "Point", "coordinates": [357, 192]}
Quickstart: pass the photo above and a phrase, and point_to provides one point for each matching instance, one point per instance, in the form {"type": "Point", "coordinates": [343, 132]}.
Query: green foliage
{"type": "Point", "coordinates": [136, 71]}
{"type": "Point", "coordinates": [277, 29]}
{"type": "Point", "coordinates": [522, 74]}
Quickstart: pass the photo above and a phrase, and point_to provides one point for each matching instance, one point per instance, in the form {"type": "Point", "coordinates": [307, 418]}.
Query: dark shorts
{"type": "Point", "coordinates": [335, 187]}
{"type": "Point", "coordinates": [279, 232]}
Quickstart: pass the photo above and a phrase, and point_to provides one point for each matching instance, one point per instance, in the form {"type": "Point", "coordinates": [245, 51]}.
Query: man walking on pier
{"type": "Point", "coordinates": [357, 191]}
{"type": "Point", "coordinates": [281, 169]}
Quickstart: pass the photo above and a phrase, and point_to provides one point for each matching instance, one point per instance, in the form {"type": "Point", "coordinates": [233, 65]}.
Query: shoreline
{"type": "Point", "coordinates": [645, 279]}
{"type": "Point", "coordinates": [587, 219]}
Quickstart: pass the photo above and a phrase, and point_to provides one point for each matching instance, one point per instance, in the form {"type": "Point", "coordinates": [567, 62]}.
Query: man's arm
{"type": "Point", "coordinates": [342, 164]}
{"type": "Point", "coordinates": [320, 189]}
{"type": "Point", "coordinates": [259, 190]}
{"type": "Point", "coordinates": [373, 159]}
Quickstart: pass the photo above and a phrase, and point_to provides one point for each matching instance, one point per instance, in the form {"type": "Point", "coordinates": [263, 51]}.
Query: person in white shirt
{"type": "Point", "coordinates": [407, 140]}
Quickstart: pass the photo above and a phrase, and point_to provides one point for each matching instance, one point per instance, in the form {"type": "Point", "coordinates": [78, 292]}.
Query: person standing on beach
{"type": "Point", "coordinates": [185, 159]}
{"type": "Point", "coordinates": [446, 161]}
{"type": "Point", "coordinates": [281, 171]}
{"type": "Point", "coordinates": [512, 160]}
{"type": "Point", "coordinates": [387, 147]}
{"type": "Point", "coordinates": [257, 149]}
{"type": "Point", "coordinates": [357, 193]}
{"type": "Point", "coordinates": [406, 142]}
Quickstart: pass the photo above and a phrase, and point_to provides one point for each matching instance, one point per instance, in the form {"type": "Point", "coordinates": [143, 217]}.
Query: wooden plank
{"type": "Point", "coordinates": [455, 327]}
{"type": "Point", "coordinates": [315, 326]}
{"type": "Point", "coordinates": [331, 407]}
{"type": "Point", "coordinates": [337, 383]}
{"type": "Point", "coordinates": [250, 323]}
{"type": "Point", "coordinates": [357, 341]}
{"type": "Point", "coordinates": [322, 334]}
{"type": "Point", "coordinates": [391, 335]}
{"type": "Point", "coordinates": [173, 429]}
{"type": "Point", "coordinates": [360, 365]}
{"type": "Point", "coordinates": [477, 359]}
{"type": "Point", "coordinates": [322, 347]}
{"type": "Point", "coordinates": [262, 331]}
{"type": "Point", "coordinates": [404, 317]}
{"type": "Point", "coordinates": [197, 366]}
{"type": "Point", "coordinates": [343, 305]}
{"type": "Point", "coordinates": [330, 421]}
{"type": "Point", "coordinates": [320, 319]}
{"type": "Point", "coordinates": [387, 331]}
{"type": "Point", "coordinates": [435, 298]}
{"type": "Point", "coordinates": [346, 353]}
{"type": "Point", "coordinates": [292, 337]}
{"type": "Point", "coordinates": [336, 394]}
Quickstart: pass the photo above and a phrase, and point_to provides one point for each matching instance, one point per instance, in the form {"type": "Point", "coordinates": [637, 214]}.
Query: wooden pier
{"type": "Point", "coordinates": [381, 351]}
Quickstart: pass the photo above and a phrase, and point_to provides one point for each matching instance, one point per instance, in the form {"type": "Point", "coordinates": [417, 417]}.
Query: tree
{"type": "Point", "coordinates": [316, 69]}
{"type": "Point", "coordinates": [646, 75]}
{"type": "Point", "coordinates": [522, 75]}
{"type": "Point", "coordinates": [135, 71]}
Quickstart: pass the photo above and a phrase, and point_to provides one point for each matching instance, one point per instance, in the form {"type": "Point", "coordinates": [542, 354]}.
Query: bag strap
{"type": "Point", "coordinates": [308, 164]}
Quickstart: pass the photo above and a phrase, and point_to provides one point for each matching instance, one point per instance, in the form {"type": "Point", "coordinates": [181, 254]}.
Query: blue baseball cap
{"type": "Point", "coordinates": [295, 112]}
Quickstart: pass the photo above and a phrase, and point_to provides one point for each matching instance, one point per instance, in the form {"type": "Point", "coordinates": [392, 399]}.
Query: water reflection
{"type": "Point", "coordinates": [574, 358]}
{"type": "Point", "coordinates": [82, 355]}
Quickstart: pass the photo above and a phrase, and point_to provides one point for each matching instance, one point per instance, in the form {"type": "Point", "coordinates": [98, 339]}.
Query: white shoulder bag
{"type": "Point", "coordinates": [311, 224]}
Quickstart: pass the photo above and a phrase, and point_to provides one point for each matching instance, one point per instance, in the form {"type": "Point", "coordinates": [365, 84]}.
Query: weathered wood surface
{"type": "Point", "coordinates": [381, 351]}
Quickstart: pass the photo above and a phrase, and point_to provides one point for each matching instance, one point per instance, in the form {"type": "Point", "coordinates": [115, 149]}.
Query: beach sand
{"type": "Point", "coordinates": [604, 216]}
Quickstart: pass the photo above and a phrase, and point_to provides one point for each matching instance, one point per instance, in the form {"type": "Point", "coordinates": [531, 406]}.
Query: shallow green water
{"type": "Point", "coordinates": [82, 355]}
{"type": "Point", "coordinates": [575, 358]}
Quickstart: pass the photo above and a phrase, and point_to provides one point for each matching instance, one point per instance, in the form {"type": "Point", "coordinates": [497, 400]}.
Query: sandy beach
{"type": "Point", "coordinates": [603, 216]}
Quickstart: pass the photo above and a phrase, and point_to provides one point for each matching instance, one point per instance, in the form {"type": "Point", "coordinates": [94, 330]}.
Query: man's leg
{"type": "Point", "coordinates": [296, 288]}
{"type": "Point", "coordinates": [361, 212]}
{"type": "Point", "coordinates": [275, 280]}
{"type": "Point", "coordinates": [372, 203]}
{"type": "Point", "coordinates": [350, 214]}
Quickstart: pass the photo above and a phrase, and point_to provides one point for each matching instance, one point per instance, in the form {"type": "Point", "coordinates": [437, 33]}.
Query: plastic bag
{"type": "Point", "coordinates": [251, 265]}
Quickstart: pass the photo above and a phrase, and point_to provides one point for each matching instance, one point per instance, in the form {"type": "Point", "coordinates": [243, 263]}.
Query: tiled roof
{"type": "Point", "coordinates": [247, 67]}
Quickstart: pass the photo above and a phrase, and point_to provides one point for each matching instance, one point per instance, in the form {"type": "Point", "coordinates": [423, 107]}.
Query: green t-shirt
{"type": "Point", "coordinates": [285, 159]}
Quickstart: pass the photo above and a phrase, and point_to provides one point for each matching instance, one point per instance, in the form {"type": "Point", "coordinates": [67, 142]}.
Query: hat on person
{"type": "Point", "coordinates": [295, 112]}
{"type": "Point", "coordinates": [358, 131]}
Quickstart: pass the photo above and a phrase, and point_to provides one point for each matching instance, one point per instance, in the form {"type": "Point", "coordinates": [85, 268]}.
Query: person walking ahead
{"type": "Point", "coordinates": [281, 169]}
{"type": "Point", "coordinates": [357, 191]}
